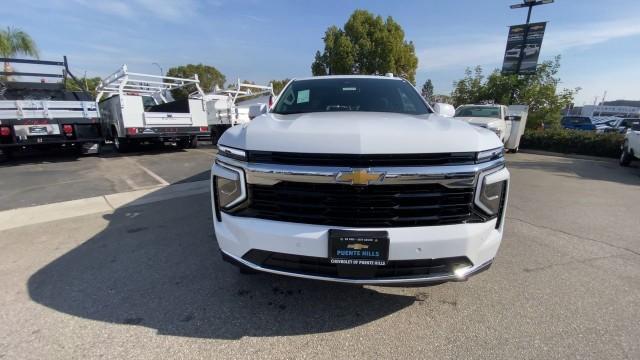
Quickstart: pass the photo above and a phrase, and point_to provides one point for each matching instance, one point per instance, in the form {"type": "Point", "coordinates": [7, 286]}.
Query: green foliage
{"type": "Point", "coordinates": [539, 91]}
{"type": "Point", "coordinates": [427, 91]}
{"type": "Point", "coordinates": [17, 42]}
{"type": "Point", "coordinates": [573, 142]}
{"type": "Point", "coordinates": [278, 85]}
{"type": "Point", "coordinates": [90, 83]}
{"type": "Point", "coordinates": [209, 77]}
{"type": "Point", "coordinates": [367, 45]}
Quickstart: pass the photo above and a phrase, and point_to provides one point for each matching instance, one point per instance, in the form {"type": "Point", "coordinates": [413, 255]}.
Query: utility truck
{"type": "Point", "coordinates": [230, 107]}
{"type": "Point", "coordinates": [136, 109]}
{"type": "Point", "coordinates": [43, 113]}
{"type": "Point", "coordinates": [356, 179]}
{"type": "Point", "coordinates": [507, 122]}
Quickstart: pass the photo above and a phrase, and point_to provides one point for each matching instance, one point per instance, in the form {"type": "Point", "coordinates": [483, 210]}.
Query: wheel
{"type": "Point", "coordinates": [215, 135]}
{"type": "Point", "coordinates": [122, 145]}
{"type": "Point", "coordinates": [515, 151]}
{"type": "Point", "coordinates": [187, 143]}
{"type": "Point", "coordinates": [194, 142]}
{"type": "Point", "coordinates": [626, 156]}
{"type": "Point", "coordinates": [6, 155]}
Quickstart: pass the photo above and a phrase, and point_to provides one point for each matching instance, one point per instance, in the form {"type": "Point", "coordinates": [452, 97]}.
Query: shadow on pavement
{"type": "Point", "coordinates": [60, 155]}
{"type": "Point", "coordinates": [157, 265]}
{"type": "Point", "coordinates": [604, 170]}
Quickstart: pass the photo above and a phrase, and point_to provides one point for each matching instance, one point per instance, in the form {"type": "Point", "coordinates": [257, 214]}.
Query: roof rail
{"type": "Point", "coordinates": [66, 73]}
{"type": "Point", "coordinates": [122, 80]}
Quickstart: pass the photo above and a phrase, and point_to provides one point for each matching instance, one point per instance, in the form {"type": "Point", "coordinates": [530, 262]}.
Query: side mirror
{"type": "Point", "coordinates": [257, 110]}
{"type": "Point", "coordinates": [443, 109]}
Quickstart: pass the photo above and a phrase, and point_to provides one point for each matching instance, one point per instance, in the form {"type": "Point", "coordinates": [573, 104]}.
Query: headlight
{"type": "Point", "coordinates": [492, 189]}
{"type": "Point", "coordinates": [228, 185]}
{"type": "Point", "coordinates": [488, 155]}
{"type": "Point", "coordinates": [232, 153]}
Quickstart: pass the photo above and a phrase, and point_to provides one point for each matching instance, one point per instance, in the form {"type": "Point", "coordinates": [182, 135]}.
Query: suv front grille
{"type": "Point", "coordinates": [355, 160]}
{"type": "Point", "coordinates": [360, 206]}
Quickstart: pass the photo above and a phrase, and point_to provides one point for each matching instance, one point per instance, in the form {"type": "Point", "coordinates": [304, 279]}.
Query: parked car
{"type": "Point", "coordinates": [135, 110]}
{"type": "Point", "coordinates": [575, 122]}
{"type": "Point", "coordinates": [631, 145]}
{"type": "Point", "coordinates": [621, 125]}
{"type": "Point", "coordinates": [45, 114]}
{"type": "Point", "coordinates": [355, 179]}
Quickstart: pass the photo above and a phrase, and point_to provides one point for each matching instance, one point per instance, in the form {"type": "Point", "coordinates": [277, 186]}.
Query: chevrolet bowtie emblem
{"type": "Point", "coordinates": [357, 246]}
{"type": "Point", "coordinates": [359, 177]}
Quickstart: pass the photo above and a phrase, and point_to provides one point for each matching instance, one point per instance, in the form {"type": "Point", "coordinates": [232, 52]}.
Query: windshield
{"type": "Point", "coordinates": [351, 94]}
{"type": "Point", "coordinates": [478, 111]}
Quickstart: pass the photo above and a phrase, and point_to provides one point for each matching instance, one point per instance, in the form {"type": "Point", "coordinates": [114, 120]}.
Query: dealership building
{"type": "Point", "coordinates": [622, 108]}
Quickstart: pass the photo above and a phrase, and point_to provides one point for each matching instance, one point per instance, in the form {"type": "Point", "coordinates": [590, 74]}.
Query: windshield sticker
{"type": "Point", "coordinates": [303, 96]}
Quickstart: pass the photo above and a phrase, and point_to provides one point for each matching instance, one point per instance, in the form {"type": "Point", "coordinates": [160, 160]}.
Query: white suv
{"type": "Point", "coordinates": [631, 145]}
{"type": "Point", "coordinates": [355, 179]}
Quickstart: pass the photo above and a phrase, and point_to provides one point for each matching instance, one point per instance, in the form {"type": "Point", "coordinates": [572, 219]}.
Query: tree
{"type": "Point", "coordinates": [209, 77]}
{"type": "Point", "coordinates": [427, 90]}
{"type": "Point", "coordinates": [367, 45]}
{"type": "Point", "coordinates": [539, 91]}
{"type": "Point", "coordinates": [278, 85]}
{"type": "Point", "coordinates": [90, 83]}
{"type": "Point", "coordinates": [14, 42]}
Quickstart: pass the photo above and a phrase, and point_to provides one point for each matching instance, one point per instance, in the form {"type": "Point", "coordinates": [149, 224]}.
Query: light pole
{"type": "Point", "coordinates": [528, 4]}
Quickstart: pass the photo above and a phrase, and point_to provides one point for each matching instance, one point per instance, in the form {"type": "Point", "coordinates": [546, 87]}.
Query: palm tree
{"type": "Point", "coordinates": [15, 42]}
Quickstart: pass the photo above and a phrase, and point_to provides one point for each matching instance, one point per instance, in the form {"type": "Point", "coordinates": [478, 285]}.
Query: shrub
{"type": "Point", "coordinates": [573, 142]}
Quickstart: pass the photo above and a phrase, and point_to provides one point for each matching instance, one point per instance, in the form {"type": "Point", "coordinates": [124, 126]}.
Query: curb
{"type": "Point", "coordinates": [570, 156]}
{"type": "Point", "coordinates": [15, 218]}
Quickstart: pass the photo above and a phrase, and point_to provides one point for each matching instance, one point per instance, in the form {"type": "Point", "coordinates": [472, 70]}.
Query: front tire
{"type": "Point", "coordinates": [626, 156]}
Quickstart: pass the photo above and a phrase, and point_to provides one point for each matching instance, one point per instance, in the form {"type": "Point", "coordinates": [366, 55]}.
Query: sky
{"type": "Point", "coordinates": [599, 41]}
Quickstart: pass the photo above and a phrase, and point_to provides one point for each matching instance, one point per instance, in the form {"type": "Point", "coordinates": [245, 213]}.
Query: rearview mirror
{"type": "Point", "coordinates": [257, 110]}
{"type": "Point", "coordinates": [443, 109]}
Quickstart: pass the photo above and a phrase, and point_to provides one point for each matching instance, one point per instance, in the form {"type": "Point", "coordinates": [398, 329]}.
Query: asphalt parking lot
{"type": "Point", "coordinates": [146, 280]}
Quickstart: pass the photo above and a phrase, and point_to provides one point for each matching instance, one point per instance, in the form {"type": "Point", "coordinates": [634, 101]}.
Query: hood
{"type": "Point", "coordinates": [359, 133]}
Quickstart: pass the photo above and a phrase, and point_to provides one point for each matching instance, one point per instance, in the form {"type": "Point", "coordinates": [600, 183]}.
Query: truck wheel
{"type": "Point", "coordinates": [194, 142]}
{"type": "Point", "coordinates": [215, 135]}
{"type": "Point", "coordinates": [121, 144]}
{"type": "Point", "coordinates": [185, 143]}
{"type": "Point", "coordinates": [5, 155]}
{"type": "Point", "coordinates": [626, 156]}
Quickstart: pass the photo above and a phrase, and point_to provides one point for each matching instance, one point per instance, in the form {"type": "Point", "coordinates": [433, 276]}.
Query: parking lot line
{"type": "Point", "coordinates": [149, 172]}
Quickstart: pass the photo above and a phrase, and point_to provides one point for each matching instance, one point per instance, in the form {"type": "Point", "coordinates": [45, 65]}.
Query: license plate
{"type": "Point", "coordinates": [38, 130]}
{"type": "Point", "coordinates": [349, 247]}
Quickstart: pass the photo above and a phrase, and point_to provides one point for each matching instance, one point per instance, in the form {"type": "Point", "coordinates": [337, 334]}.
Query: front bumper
{"type": "Point", "coordinates": [478, 243]}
